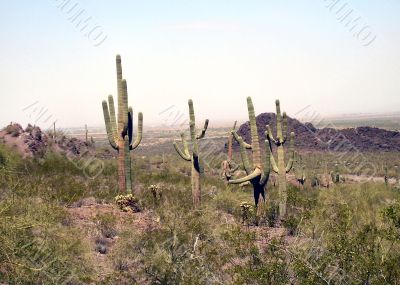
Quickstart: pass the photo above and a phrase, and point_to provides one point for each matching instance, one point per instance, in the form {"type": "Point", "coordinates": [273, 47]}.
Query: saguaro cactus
{"type": "Point", "coordinates": [193, 157]}
{"type": "Point", "coordinates": [386, 175]}
{"type": "Point", "coordinates": [336, 174]}
{"type": "Point", "coordinates": [280, 168]}
{"type": "Point", "coordinates": [119, 132]}
{"type": "Point", "coordinates": [258, 173]}
{"type": "Point", "coordinates": [228, 167]}
{"type": "Point", "coordinates": [86, 134]}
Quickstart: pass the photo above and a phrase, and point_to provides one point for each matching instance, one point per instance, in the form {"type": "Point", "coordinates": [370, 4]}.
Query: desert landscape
{"type": "Point", "coordinates": [224, 187]}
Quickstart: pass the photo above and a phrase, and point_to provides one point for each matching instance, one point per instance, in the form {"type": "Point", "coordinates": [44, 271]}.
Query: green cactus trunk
{"type": "Point", "coordinates": [196, 187]}
{"type": "Point", "coordinates": [258, 172]}
{"type": "Point", "coordinates": [119, 132]}
{"type": "Point", "coordinates": [280, 168]}
{"type": "Point", "coordinates": [193, 157]}
{"type": "Point", "coordinates": [86, 134]}
{"type": "Point", "coordinates": [282, 181]}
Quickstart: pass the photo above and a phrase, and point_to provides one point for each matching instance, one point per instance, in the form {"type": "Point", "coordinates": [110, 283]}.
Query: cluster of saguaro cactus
{"type": "Point", "coordinates": [193, 156]}
{"type": "Point", "coordinates": [300, 169]}
{"type": "Point", "coordinates": [120, 132]}
{"type": "Point", "coordinates": [229, 167]}
{"type": "Point", "coordinates": [280, 168]}
{"type": "Point", "coordinates": [257, 173]}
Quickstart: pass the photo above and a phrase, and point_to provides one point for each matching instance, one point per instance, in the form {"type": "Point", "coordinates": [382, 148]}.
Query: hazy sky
{"type": "Point", "coordinates": [215, 52]}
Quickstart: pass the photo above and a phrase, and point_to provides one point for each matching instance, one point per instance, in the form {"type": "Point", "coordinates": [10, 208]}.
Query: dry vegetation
{"type": "Point", "coordinates": [60, 227]}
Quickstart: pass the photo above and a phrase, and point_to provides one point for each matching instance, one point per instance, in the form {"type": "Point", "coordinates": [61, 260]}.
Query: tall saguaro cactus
{"type": "Point", "coordinates": [193, 156]}
{"type": "Point", "coordinates": [280, 168]}
{"type": "Point", "coordinates": [258, 172]}
{"type": "Point", "coordinates": [119, 132]}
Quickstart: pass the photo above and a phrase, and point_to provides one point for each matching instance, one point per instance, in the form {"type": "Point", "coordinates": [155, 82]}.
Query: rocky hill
{"type": "Point", "coordinates": [33, 142]}
{"type": "Point", "coordinates": [309, 137]}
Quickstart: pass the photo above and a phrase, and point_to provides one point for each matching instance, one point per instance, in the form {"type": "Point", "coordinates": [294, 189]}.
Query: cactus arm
{"type": "Point", "coordinates": [203, 132]}
{"type": "Point", "coordinates": [108, 125]}
{"type": "Point", "coordinates": [185, 153]}
{"type": "Point", "coordinates": [274, 166]}
{"type": "Point", "coordinates": [113, 119]}
{"type": "Point", "coordinates": [279, 135]}
{"type": "Point", "coordinates": [230, 138]}
{"type": "Point", "coordinates": [267, 163]}
{"type": "Point", "coordinates": [234, 126]}
{"type": "Point", "coordinates": [235, 168]}
{"type": "Point", "coordinates": [124, 107]}
{"type": "Point", "coordinates": [130, 125]}
{"type": "Point", "coordinates": [284, 127]}
{"type": "Point", "coordinates": [240, 140]}
{"type": "Point", "coordinates": [192, 127]}
{"type": "Point", "coordinates": [291, 151]}
{"type": "Point", "coordinates": [269, 134]}
{"type": "Point", "coordinates": [139, 134]}
{"type": "Point", "coordinates": [251, 176]}
{"type": "Point", "coordinates": [256, 153]}
{"type": "Point", "coordinates": [243, 153]}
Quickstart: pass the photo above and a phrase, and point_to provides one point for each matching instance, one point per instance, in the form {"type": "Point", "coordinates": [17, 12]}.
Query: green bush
{"type": "Point", "coordinates": [35, 246]}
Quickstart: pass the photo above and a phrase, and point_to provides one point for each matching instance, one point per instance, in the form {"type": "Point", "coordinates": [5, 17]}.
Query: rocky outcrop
{"type": "Point", "coordinates": [308, 137]}
{"type": "Point", "coordinates": [33, 142]}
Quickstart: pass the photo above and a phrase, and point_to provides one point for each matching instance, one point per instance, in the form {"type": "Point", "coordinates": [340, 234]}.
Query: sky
{"type": "Point", "coordinates": [331, 56]}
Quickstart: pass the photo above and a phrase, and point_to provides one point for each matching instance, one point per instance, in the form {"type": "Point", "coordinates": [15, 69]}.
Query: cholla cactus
{"type": "Point", "coordinates": [229, 167]}
{"type": "Point", "coordinates": [258, 173]}
{"type": "Point", "coordinates": [127, 203]}
{"type": "Point", "coordinates": [119, 132]}
{"type": "Point", "coordinates": [193, 157]}
{"type": "Point", "coordinates": [280, 168]}
{"type": "Point", "coordinates": [156, 191]}
{"type": "Point", "coordinates": [300, 169]}
{"type": "Point", "coordinates": [247, 211]}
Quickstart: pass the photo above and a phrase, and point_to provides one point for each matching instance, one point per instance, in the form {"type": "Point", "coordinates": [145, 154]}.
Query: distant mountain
{"type": "Point", "coordinates": [309, 137]}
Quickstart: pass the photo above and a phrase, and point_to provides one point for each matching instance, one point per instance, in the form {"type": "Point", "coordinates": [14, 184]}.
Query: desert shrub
{"type": "Point", "coordinates": [106, 223]}
{"type": "Point", "coordinates": [230, 202]}
{"type": "Point", "coordinates": [272, 214]}
{"type": "Point", "coordinates": [291, 223]}
{"type": "Point", "coordinates": [50, 164]}
{"type": "Point", "coordinates": [255, 265]}
{"type": "Point", "coordinates": [183, 250]}
{"type": "Point", "coordinates": [351, 244]}
{"type": "Point", "coordinates": [3, 159]}
{"type": "Point", "coordinates": [35, 246]}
